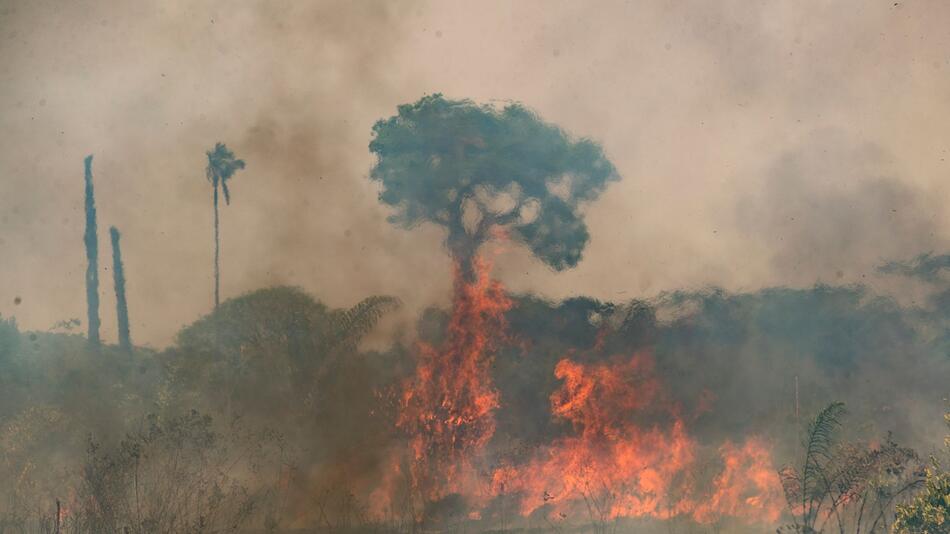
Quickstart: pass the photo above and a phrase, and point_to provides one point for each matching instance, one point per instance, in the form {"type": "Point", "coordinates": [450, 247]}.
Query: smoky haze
{"type": "Point", "coordinates": [768, 236]}
{"type": "Point", "coordinates": [759, 145]}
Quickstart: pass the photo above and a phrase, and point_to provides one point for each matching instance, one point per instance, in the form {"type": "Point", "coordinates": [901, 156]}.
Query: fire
{"type": "Point", "coordinates": [628, 452]}
{"type": "Point", "coordinates": [747, 487]}
{"type": "Point", "coordinates": [448, 406]}
{"type": "Point", "coordinates": [631, 456]}
{"type": "Point", "coordinates": [628, 469]}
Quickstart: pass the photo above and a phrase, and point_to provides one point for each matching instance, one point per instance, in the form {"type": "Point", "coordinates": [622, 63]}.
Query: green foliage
{"type": "Point", "coordinates": [346, 327]}
{"type": "Point", "coordinates": [283, 320]}
{"type": "Point", "coordinates": [808, 488]}
{"type": "Point", "coordinates": [929, 512]}
{"type": "Point", "coordinates": [269, 349]}
{"type": "Point", "coordinates": [472, 168]}
{"type": "Point", "coordinates": [853, 486]}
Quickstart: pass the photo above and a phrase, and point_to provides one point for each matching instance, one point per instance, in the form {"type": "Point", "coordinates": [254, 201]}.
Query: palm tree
{"type": "Point", "coordinates": [221, 167]}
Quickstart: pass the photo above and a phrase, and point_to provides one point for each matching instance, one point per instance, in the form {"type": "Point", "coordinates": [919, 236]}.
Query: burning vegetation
{"type": "Point", "coordinates": [506, 412]}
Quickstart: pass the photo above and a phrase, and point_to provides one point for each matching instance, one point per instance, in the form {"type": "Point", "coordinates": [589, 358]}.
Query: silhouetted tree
{"type": "Point", "coordinates": [121, 306]}
{"type": "Point", "coordinates": [221, 167]}
{"type": "Point", "coordinates": [92, 256]}
{"type": "Point", "coordinates": [478, 170]}
{"type": "Point", "coordinates": [278, 343]}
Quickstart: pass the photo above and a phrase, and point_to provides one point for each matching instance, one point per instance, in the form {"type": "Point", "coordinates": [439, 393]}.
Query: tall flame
{"type": "Point", "coordinates": [448, 405]}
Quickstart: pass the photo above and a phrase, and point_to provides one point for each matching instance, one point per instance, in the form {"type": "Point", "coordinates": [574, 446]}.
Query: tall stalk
{"type": "Point", "coordinates": [92, 257]}
{"type": "Point", "coordinates": [121, 306]}
{"type": "Point", "coordinates": [217, 252]}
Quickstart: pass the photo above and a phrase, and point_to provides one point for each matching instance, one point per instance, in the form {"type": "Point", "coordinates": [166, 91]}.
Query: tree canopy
{"type": "Point", "coordinates": [474, 168]}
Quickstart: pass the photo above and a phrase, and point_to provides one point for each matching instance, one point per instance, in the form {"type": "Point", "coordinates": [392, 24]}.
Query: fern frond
{"type": "Point", "coordinates": [819, 442]}
{"type": "Point", "coordinates": [350, 325]}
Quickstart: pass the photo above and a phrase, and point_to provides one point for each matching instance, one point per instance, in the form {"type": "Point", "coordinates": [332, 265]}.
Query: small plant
{"type": "Point", "coordinates": [852, 486]}
{"type": "Point", "coordinates": [929, 512]}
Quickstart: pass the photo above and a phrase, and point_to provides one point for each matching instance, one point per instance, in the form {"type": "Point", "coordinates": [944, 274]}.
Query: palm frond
{"type": "Point", "coordinates": [821, 435]}
{"type": "Point", "coordinates": [221, 167]}
{"type": "Point", "coordinates": [819, 442]}
{"type": "Point", "coordinates": [350, 325]}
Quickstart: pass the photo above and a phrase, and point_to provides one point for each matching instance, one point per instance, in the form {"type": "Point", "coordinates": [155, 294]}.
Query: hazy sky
{"type": "Point", "coordinates": [760, 143]}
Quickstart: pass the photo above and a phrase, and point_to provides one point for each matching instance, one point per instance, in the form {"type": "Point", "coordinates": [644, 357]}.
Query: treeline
{"type": "Point", "coordinates": [266, 414]}
{"type": "Point", "coordinates": [274, 385]}
{"type": "Point", "coordinates": [222, 431]}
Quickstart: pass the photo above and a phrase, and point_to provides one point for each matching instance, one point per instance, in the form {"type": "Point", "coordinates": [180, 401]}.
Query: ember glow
{"type": "Point", "coordinates": [628, 452]}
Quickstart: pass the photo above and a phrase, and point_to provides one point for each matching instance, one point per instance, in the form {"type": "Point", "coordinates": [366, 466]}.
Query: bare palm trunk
{"type": "Point", "coordinates": [217, 247]}
{"type": "Point", "coordinates": [121, 305]}
{"type": "Point", "coordinates": [92, 256]}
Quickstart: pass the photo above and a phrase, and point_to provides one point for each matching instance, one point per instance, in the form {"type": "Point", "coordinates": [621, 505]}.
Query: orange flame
{"type": "Point", "coordinates": [747, 487]}
{"type": "Point", "coordinates": [628, 452]}
{"type": "Point", "coordinates": [448, 406]}
{"type": "Point", "coordinates": [631, 456]}
{"type": "Point", "coordinates": [609, 459]}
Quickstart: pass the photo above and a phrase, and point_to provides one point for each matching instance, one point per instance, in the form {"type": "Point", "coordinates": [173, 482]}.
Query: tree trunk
{"type": "Point", "coordinates": [464, 249]}
{"type": "Point", "coordinates": [464, 254]}
{"type": "Point", "coordinates": [217, 269]}
{"type": "Point", "coordinates": [121, 306]}
{"type": "Point", "coordinates": [92, 257]}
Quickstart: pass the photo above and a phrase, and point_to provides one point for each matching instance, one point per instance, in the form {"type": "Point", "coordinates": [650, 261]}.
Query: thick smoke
{"type": "Point", "coordinates": [765, 147]}
{"type": "Point", "coordinates": [833, 209]}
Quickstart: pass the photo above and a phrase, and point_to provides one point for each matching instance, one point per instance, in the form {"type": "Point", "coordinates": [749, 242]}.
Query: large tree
{"type": "Point", "coordinates": [221, 167]}
{"type": "Point", "coordinates": [480, 172]}
{"type": "Point", "coordinates": [475, 169]}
